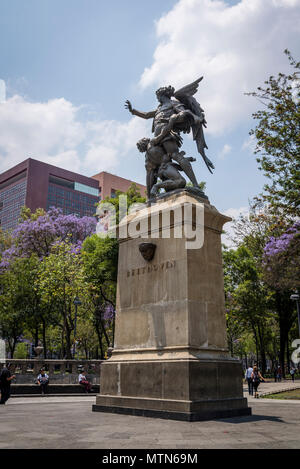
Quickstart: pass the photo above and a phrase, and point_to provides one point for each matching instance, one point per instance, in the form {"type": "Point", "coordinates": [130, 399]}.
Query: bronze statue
{"type": "Point", "coordinates": [172, 117]}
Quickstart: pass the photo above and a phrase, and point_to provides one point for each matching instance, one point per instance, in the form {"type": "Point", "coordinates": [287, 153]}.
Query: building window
{"type": "Point", "coordinates": [71, 202]}
{"type": "Point", "coordinates": [12, 199]}
{"type": "Point", "coordinates": [12, 180]}
{"type": "Point", "coordinates": [61, 181]}
{"type": "Point", "coordinates": [86, 189]}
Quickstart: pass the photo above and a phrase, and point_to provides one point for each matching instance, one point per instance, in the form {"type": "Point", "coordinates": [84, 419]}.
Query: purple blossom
{"type": "Point", "coordinates": [109, 313]}
{"type": "Point", "coordinates": [38, 236]}
{"type": "Point", "coordinates": [76, 248]}
{"type": "Point", "coordinates": [278, 245]}
{"type": "Point", "coordinates": [7, 256]}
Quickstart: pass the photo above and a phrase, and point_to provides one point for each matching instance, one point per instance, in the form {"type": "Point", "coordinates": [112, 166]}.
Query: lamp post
{"type": "Point", "coordinates": [77, 303]}
{"type": "Point", "coordinates": [296, 297]}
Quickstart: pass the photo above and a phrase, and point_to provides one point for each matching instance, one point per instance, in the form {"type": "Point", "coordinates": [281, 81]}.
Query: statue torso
{"type": "Point", "coordinates": [165, 111]}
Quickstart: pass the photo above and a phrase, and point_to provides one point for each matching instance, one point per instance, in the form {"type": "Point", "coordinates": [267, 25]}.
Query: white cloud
{"type": "Point", "coordinates": [46, 131]}
{"type": "Point", "coordinates": [2, 91]}
{"type": "Point", "coordinates": [225, 151]}
{"type": "Point", "coordinates": [249, 144]}
{"type": "Point", "coordinates": [52, 132]}
{"type": "Point", "coordinates": [111, 141]}
{"type": "Point", "coordinates": [236, 212]}
{"type": "Point", "coordinates": [233, 213]}
{"type": "Point", "coordinates": [235, 47]}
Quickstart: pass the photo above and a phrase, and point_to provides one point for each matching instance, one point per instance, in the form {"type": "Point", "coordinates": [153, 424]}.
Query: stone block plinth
{"type": "Point", "coordinates": [170, 358]}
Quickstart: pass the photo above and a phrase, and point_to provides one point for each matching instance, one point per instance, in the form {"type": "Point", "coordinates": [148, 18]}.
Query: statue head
{"type": "Point", "coordinates": [165, 91]}
{"type": "Point", "coordinates": [143, 144]}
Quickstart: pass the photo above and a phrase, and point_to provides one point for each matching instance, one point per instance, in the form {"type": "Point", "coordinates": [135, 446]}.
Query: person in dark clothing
{"type": "Point", "coordinates": [256, 380]}
{"type": "Point", "coordinates": [43, 381]}
{"type": "Point", "coordinates": [292, 373]}
{"type": "Point", "coordinates": [5, 381]}
{"type": "Point", "coordinates": [279, 374]}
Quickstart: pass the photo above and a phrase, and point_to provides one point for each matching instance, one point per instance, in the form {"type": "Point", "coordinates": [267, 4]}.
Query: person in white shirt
{"type": "Point", "coordinates": [43, 381]}
{"type": "Point", "coordinates": [248, 379]}
{"type": "Point", "coordinates": [82, 379]}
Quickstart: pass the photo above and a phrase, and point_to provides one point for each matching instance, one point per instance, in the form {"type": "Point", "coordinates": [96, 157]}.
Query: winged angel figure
{"type": "Point", "coordinates": [172, 117]}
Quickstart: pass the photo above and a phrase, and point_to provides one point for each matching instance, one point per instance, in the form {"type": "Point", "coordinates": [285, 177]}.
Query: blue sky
{"type": "Point", "coordinates": [68, 66]}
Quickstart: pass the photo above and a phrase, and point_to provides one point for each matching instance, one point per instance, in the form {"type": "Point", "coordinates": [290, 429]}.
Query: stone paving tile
{"type": "Point", "coordinates": [71, 424]}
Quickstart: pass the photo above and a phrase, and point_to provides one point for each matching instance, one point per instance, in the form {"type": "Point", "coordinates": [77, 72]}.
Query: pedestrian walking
{"type": "Point", "coordinates": [292, 373]}
{"type": "Point", "coordinates": [248, 380]}
{"type": "Point", "coordinates": [43, 381]}
{"type": "Point", "coordinates": [279, 374]}
{"type": "Point", "coordinates": [5, 382]}
{"type": "Point", "coordinates": [256, 380]}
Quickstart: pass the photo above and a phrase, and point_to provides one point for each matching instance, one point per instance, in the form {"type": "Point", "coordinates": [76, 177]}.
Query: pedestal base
{"type": "Point", "coordinates": [209, 411]}
{"type": "Point", "coordinates": [188, 390]}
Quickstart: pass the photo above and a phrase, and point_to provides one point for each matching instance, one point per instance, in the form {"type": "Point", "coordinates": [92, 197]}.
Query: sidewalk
{"type": "Point", "coordinates": [68, 422]}
{"type": "Point", "coordinates": [272, 388]}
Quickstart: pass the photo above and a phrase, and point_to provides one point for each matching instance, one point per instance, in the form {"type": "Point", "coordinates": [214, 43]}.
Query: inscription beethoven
{"type": "Point", "coordinates": [151, 268]}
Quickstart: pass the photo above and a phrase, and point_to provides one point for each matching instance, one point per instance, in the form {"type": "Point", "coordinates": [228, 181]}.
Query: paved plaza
{"type": "Point", "coordinates": [270, 387]}
{"type": "Point", "coordinates": [69, 423]}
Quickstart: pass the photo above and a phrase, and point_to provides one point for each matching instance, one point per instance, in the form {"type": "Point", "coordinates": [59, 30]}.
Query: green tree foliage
{"type": "Point", "coordinates": [273, 247]}
{"type": "Point", "coordinates": [277, 137]}
{"type": "Point", "coordinates": [44, 266]}
{"type": "Point", "coordinates": [61, 278]}
{"type": "Point", "coordinates": [100, 264]}
{"type": "Point", "coordinates": [21, 350]}
{"type": "Point", "coordinates": [100, 261]}
{"type": "Point", "coordinates": [281, 261]}
{"type": "Point", "coordinates": [246, 298]}
{"type": "Point", "coordinates": [17, 299]}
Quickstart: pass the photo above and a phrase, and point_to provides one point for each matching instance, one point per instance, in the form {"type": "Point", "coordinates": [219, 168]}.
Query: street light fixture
{"type": "Point", "coordinates": [296, 297]}
{"type": "Point", "coordinates": [77, 303]}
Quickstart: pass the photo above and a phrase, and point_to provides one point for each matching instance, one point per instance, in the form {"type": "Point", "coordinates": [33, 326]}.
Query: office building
{"type": "Point", "coordinates": [40, 185]}
{"type": "Point", "coordinates": [109, 184]}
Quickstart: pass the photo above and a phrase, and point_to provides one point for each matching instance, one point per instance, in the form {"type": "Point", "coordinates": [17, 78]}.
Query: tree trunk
{"type": "Point", "coordinates": [99, 335]}
{"type": "Point", "coordinates": [256, 343]}
{"type": "Point", "coordinates": [12, 346]}
{"type": "Point", "coordinates": [288, 353]}
{"type": "Point", "coordinates": [262, 349]}
{"type": "Point", "coordinates": [44, 338]}
{"type": "Point", "coordinates": [62, 352]}
{"type": "Point", "coordinates": [68, 344]}
{"type": "Point", "coordinates": [36, 336]}
{"type": "Point", "coordinates": [105, 333]}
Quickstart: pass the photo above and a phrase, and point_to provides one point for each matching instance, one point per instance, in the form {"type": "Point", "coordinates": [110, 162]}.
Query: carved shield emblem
{"type": "Point", "coordinates": [147, 250]}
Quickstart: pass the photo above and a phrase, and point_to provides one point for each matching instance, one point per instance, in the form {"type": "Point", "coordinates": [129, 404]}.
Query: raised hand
{"type": "Point", "coordinates": [128, 106]}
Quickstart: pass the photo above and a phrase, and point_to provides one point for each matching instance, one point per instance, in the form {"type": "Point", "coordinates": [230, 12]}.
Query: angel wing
{"type": "Point", "coordinates": [185, 96]}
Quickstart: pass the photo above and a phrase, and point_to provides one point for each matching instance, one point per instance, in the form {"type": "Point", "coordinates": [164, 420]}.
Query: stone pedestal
{"type": "Point", "coordinates": [170, 358]}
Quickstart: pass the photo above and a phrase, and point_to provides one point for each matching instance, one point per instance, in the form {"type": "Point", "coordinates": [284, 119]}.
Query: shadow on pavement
{"type": "Point", "coordinates": [253, 418]}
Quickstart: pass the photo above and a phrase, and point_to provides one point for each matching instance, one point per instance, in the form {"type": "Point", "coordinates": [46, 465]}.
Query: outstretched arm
{"type": "Point", "coordinates": [144, 115]}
